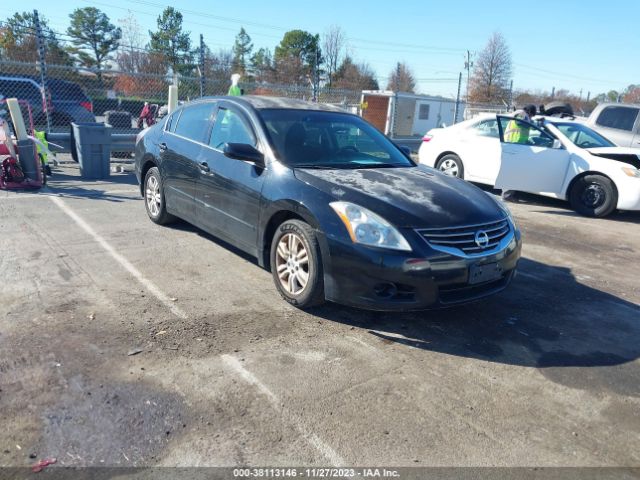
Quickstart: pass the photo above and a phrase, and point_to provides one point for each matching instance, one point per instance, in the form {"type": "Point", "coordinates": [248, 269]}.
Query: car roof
{"type": "Point", "coordinates": [259, 102]}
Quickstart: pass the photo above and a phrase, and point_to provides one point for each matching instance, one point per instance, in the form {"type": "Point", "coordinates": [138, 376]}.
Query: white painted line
{"type": "Point", "coordinates": [126, 264]}
{"type": "Point", "coordinates": [329, 453]}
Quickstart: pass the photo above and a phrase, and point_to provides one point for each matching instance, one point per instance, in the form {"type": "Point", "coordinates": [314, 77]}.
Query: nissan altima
{"type": "Point", "coordinates": [332, 207]}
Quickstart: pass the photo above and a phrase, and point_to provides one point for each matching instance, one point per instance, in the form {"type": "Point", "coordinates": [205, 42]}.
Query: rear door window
{"type": "Point", "coordinates": [488, 128]}
{"type": "Point", "coordinates": [620, 118]}
{"type": "Point", "coordinates": [194, 122]}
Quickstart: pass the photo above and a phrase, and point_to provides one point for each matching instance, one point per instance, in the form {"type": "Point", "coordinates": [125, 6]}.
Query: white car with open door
{"type": "Point", "coordinates": [559, 158]}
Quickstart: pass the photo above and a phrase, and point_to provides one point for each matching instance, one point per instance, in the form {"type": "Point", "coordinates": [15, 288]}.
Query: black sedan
{"type": "Point", "coordinates": [331, 206]}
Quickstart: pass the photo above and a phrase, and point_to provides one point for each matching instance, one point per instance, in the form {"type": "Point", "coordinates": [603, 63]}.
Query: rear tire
{"type": "Point", "coordinates": [154, 198]}
{"type": "Point", "coordinates": [296, 265]}
{"type": "Point", "coordinates": [451, 165]}
{"type": "Point", "coordinates": [593, 196]}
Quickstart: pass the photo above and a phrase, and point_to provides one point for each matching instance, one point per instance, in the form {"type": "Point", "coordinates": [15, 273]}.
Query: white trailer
{"type": "Point", "coordinates": [406, 117]}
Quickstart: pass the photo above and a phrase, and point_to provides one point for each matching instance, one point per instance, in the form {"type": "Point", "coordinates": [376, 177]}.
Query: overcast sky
{"type": "Point", "coordinates": [588, 45]}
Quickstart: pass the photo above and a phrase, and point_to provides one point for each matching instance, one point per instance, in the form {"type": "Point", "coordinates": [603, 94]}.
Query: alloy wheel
{"type": "Point", "coordinates": [154, 199]}
{"type": "Point", "coordinates": [292, 263]}
{"type": "Point", "coordinates": [449, 167]}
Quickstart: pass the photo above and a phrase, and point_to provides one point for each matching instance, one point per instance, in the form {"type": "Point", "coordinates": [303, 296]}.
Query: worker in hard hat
{"type": "Point", "coordinates": [234, 89]}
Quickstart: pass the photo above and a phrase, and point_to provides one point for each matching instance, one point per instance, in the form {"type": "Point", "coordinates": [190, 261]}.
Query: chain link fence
{"type": "Point", "coordinates": [76, 94]}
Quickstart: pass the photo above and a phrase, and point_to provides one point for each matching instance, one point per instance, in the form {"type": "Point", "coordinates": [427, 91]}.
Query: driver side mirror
{"type": "Point", "coordinates": [245, 152]}
{"type": "Point", "coordinates": [557, 144]}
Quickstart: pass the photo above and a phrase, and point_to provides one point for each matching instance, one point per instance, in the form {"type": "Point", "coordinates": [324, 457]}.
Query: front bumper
{"type": "Point", "coordinates": [385, 280]}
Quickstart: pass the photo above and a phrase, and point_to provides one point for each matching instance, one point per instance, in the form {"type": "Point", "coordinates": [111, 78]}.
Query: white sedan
{"type": "Point", "coordinates": [561, 158]}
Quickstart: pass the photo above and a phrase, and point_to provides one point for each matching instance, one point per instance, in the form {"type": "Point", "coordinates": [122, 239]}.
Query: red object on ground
{"type": "Point", "coordinates": [42, 464]}
{"type": "Point", "coordinates": [11, 180]}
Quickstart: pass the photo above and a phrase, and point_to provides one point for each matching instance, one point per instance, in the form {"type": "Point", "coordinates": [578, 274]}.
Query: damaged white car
{"type": "Point", "coordinates": [559, 158]}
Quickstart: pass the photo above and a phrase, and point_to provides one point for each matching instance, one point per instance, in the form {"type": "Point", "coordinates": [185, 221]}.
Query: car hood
{"type": "Point", "coordinates": [407, 197]}
{"type": "Point", "coordinates": [630, 156]}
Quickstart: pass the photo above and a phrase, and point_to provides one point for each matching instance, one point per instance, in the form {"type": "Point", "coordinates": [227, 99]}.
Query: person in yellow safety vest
{"type": "Point", "coordinates": [234, 89]}
{"type": "Point", "coordinates": [518, 132]}
{"type": "Point", "coordinates": [43, 151]}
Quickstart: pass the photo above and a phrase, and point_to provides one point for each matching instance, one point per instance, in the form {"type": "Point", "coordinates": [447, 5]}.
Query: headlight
{"type": "Point", "coordinates": [367, 228]}
{"type": "Point", "coordinates": [632, 172]}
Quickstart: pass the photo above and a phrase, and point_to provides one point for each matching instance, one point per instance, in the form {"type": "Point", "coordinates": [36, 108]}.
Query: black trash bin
{"type": "Point", "coordinates": [93, 148]}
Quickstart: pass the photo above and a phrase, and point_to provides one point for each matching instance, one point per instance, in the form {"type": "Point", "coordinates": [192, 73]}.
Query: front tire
{"type": "Point", "coordinates": [154, 198]}
{"type": "Point", "coordinates": [593, 196]}
{"type": "Point", "coordinates": [451, 165]}
{"type": "Point", "coordinates": [296, 265]}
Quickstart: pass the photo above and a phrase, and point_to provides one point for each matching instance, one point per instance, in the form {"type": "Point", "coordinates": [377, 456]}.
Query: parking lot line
{"type": "Point", "coordinates": [126, 264]}
{"type": "Point", "coordinates": [329, 453]}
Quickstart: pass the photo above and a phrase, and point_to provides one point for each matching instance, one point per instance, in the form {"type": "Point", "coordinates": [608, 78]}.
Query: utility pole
{"type": "Point", "coordinates": [317, 78]}
{"type": "Point", "coordinates": [511, 94]}
{"type": "Point", "coordinates": [468, 64]}
{"type": "Point", "coordinates": [588, 96]}
{"type": "Point", "coordinates": [202, 79]}
{"type": "Point", "coordinates": [580, 97]}
{"type": "Point", "coordinates": [42, 52]}
{"type": "Point", "coordinates": [455, 112]}
{"type": "Point", "coordinates": [553, 92]}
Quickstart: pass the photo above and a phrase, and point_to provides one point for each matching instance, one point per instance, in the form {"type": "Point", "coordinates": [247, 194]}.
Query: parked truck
{"type": "Point", "coordinates": [406, 117]}
{"type": "Point", "coordinates": [619, 122]}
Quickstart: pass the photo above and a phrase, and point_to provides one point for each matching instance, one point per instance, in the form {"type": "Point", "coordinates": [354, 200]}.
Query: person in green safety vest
{"type": "Point", "coordinates": [43, 151]}
{"type": "Point", "coordinates": [234, 89]}
{"type": "Point", "coordinates": [518, 132]}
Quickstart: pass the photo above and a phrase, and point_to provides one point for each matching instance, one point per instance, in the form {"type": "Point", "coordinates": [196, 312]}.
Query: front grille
{"type": "Point", "coordinates": [468, 240]}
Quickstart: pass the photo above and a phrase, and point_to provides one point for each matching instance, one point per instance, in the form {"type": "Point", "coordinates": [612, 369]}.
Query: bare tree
{"type": "Point", "coordinates": [333, 46]}
{"type": "Point", "coordinates": [131, 55]}
{"type": "Point", "coordinates": [492, 73]}
{"type": "Point", "coordinates": [401, 79]}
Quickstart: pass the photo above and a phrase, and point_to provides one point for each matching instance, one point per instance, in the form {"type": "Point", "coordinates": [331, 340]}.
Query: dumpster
{"type": "Point", "coordinates": [92, 142]}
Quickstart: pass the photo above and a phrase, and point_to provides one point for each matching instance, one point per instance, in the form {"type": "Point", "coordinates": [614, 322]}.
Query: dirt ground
{"type": "Point", "coordinates": [123, 343]}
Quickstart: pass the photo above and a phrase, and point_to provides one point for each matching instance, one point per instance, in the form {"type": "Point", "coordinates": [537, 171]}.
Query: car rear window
{"type": "Point", "coordinates": [621, 118]}
{"type": "Point", "coordinates": [194, 121]}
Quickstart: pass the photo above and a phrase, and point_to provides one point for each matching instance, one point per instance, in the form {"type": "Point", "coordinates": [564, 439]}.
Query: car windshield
{"type": "Point", "coordinates": [313, 139]}
{"type": "Point", "coordinates": [582, 136]}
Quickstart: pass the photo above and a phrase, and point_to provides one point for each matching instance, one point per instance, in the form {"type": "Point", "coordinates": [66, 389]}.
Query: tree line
{"type": "Point", "coordinates": [93, 41]}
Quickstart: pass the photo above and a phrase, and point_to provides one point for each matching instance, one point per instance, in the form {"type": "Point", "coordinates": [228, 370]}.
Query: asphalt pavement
{"type": "Point", "coordinates": [123, 343]}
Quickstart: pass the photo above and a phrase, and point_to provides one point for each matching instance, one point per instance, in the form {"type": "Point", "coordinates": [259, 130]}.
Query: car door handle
{"type": "Point", "coordinates": [204, 166]}
{"type": "Point", "coordinates": [163, 146]}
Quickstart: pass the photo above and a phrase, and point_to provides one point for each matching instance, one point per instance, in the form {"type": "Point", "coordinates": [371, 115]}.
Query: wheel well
{"type": "Point", "coordinates": [148, 163]}
{"type": "Point", "coordinates": [277, 219]}
{"type": "Point", "coordinates": [584, 174]}
{"type": "Point", "coordinates": [444, 154]}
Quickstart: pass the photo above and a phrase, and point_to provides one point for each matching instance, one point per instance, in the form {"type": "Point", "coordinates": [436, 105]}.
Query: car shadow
{"type": "Point", "coordinates": [561, 207]}
{"type": "Point", "coordinates": [184, 226]}
{"type": "Point", "coordinates": [544, 319]}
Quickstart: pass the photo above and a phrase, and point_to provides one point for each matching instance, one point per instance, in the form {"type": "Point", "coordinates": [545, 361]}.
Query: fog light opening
{"type": "Point", "coordinates": [385, 290]}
